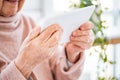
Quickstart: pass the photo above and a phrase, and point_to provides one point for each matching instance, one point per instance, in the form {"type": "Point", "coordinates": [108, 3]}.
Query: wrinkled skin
{"type": "Point", "coordinates": [10, 7]}
{"type": "Point", "coordinates": [80, 40]}
{"type": "Point", "coordinates": [37, 47]}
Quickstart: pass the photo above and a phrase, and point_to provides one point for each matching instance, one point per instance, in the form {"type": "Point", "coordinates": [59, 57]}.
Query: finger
{"type": "Point", "coordinates": [72, 48]}
{"type": "Point", "coordinates": [9, 8]}
{"type": "Point", "coordinates": [32, 35]}
{"type": "Point", "coordinates": [54, 39]}
{"type": "Point", "coordinates": [48, 32]}
{"type": "Point", "coordinates": [72, 52]}
{"type": "Point", "coordinates": [85, 39]}
{"type": "Point", "coordinates": [79, 49]}
{"type": "Point", "coordinates": [1, 4]}
{"type": "Point", "coordinates": [77, 33]}
{"type": "Point", "coordinates": [35, 32]}
{"type": "Point", "coordinates": [87, 26]}
{"type": "Point", "coordinates": [82, 45]}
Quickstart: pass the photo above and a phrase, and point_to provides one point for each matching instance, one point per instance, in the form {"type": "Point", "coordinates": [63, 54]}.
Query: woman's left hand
{"type": "Point", "coordinates": [80, 40]}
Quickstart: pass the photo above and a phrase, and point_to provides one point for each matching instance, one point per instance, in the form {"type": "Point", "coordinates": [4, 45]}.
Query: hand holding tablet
{"type": "Point", "coordinates": [69, 21]}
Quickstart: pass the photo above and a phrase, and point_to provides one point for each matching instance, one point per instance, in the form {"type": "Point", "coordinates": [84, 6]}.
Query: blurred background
{"type": "Point", "coordinates": [102, 61]}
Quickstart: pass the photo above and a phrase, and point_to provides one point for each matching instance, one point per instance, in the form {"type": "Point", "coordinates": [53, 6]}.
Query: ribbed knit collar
{"type": "Point", "coordinates": [8, 19]}
{"type": "Point", "coordinates": [9, 23]}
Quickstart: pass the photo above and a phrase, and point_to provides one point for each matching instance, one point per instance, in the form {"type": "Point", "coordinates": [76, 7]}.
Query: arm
{"type": "Point", "coordinates": [80, 40]}
{"type": "Point", "coordinates": [9, 71]}
{"type": "Point", "coordinates": [73, 53]}
{"type": "Point", "coordinates": [62, 70]}
{"type": "Point", "coordinates": [41, 44]}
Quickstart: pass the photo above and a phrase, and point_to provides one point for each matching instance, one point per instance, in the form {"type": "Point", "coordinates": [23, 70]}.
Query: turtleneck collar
{"type": "Point", "coordinates": [9, 23]}
{"type": "Point", "coordinates": [8, 19]}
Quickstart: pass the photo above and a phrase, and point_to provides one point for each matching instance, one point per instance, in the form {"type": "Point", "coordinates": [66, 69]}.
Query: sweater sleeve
{"type": "Point", "coordinates": [63, 71]}
{"type": "Point", "coordinates": [8, 71]}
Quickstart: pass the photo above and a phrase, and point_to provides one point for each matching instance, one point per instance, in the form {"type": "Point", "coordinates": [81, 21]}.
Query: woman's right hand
{"type": "Point", "coordinates": [37, 47]}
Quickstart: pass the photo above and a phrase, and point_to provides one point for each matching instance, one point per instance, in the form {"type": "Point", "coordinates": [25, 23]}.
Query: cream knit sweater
{"type": "Point", "coordinates": [13, 31]}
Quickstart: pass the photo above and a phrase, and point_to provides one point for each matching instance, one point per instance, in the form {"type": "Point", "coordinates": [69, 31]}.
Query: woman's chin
{"type": "Point", "coordinates": [10, 7]}
{"type": "Point", "coordinates": [8, 14]}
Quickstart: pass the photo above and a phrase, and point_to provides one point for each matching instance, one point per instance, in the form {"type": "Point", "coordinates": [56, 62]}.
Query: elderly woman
{"type": "Point", "coordinates": [32, 54]}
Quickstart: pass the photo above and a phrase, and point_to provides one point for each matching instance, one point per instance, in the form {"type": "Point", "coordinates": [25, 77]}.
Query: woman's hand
{"type": "Point", "coordinates": [80, 40]}
{"type": "Point", "coordinates": [38, 47]}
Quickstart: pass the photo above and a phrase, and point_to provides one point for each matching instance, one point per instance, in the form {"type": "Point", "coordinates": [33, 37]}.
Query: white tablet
{"type": "Point", "coordinates": [69, 21]}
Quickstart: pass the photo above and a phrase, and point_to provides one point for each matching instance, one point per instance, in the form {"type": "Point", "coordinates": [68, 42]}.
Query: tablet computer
{"type": "Point", "coordinates": [69, 21]}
